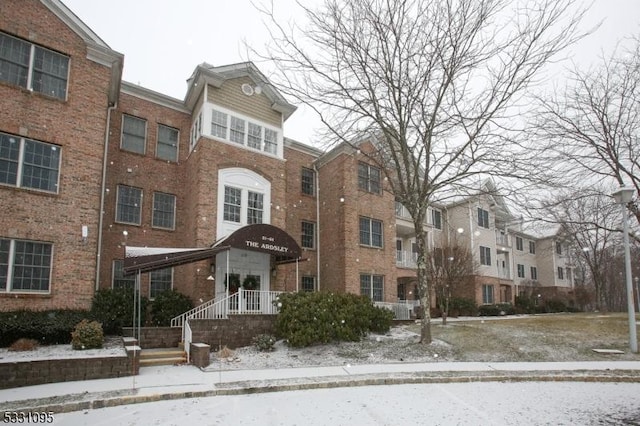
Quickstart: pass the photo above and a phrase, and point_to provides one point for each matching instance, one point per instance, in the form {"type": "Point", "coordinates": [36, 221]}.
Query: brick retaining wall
{"type": "Point", "coordinates": [235, 332]}
{"type": "Point", "coordinates": [28, 373]}
{"type": "Point", "coordinates": [157, 337]}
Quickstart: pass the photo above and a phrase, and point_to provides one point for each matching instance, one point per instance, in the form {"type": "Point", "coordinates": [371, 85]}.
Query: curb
{"type": "Point", "coordinates": [103, 399]}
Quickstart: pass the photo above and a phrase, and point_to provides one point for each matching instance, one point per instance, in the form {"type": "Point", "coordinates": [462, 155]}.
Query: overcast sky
{"type": "Point", "coordinates": [164, 40]}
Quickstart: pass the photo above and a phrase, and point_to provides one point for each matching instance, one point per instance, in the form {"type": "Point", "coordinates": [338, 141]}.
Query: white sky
{"type": "Point", "coordinates": [164, 40]}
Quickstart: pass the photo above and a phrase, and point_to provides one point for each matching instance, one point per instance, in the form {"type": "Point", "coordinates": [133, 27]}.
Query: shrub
{"type": "Point", "coordinates": [87, 335]}
{"type": "Point", "coordinates": [114, 309]}
{"type": "Point", "coordinates": [23, 345]}
{"type": "Point", "coordinates": [463, 306]}
{"type": "Point", "coordinates": [496, 310]}
{"type": "Point", "coordinates": [264, 342]}
{"type": "Point", "coordinates": [555, 305]}
{"type": "Point", "coordinates": [311, 318]}
{"type": "Point", "coordinates": [47, 327]}
{"type": "Point", "coordinates": [167, 305]}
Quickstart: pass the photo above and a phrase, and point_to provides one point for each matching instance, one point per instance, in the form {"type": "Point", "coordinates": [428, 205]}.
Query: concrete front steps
{"type": "Point", "coordinates": [162, 356]}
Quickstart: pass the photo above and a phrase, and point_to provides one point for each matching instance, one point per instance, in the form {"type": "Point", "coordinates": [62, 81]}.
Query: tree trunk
{"type": "Point", "coordinates": [423, 284]}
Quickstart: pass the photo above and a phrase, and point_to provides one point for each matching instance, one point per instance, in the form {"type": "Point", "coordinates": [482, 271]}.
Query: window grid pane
{"type": "Point", "coordinates": [164, 206]}
{"type": "Point", "coordinates": [308, 284]}
{"type": "Point", "coordinates": [255, 207]}
{"type": "Point", "coordinates": [14, 60]}
{"type": "Point", "coordinates": [133, 134]}
{"type": "Point", "coordinates": [167, 148]}
{"type": "Point", "coordinates": [50, 70]}
{"type": "Point", "coordinates": [237, 130]}
{"type": "Point", "coordinates": [308, 235]}
{"type": "Point", "coordinates": [40, 166]}
{"type": "Point", "coordinates": [129, 205]}
{"type": "Point", "coordinates": [254, 138]}
{"type": "Point", "coordinates": [160, 281]}
{"type": "Point", "coordinates": [5, 246]}
{"type": "Point", "coordinates": [119, 280]}
{"type": "Point", "coordinates": [219, 124]}
{"type": "Point", "coordinates": [270, 141]}
{"type": "Point", "coordinates": [365, 285]}
{"type": "Point", "coordinates": [9, 157]}
{"type": "Point", "coordinates": [232, 203]}
{"type": "Point", "coordinates": [365, 231]}
{"type": "Point", "coordinates": [31, 266]}
{"type": "Point", "coordinates": [377, 288]}
{"type": "Point", "coordinates": [376, 233]}
{"type": "Point", "coordinates": [308, 181]}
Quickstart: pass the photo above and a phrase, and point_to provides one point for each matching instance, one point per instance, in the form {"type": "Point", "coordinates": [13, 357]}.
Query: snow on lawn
{"type": "Point", "coordinates": [112, 347]}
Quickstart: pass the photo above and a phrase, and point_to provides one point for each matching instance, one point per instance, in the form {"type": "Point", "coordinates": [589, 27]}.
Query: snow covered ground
{"type": "Point", "coordinates": [435, 404]}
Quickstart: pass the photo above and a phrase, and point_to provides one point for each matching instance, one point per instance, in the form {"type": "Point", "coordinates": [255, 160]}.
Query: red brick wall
{"type": "Point", "coordinates": [78, 126]}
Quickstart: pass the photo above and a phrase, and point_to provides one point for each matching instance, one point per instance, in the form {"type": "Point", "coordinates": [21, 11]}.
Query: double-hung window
{"type": "Point", "coordinates": [219, 124]}
{"type": "Point", "coordinates": [534, 273]}
{"type": "Point", "coordinates": [119, 279]}
{"type": "Point", "coordinates": [560, 273]}
{"type": "Point", "coordinates": [167, 148]}
{"type": "Point", "coordinates": [483, 218]}
{"type": "Point", "coordinates": [254, 136]}
{"type": "Point", "coordinates": [436, 219]}
{"type": "Point", "coordinates": [532, 247]}
{"type": "Point", "coordinates": [134, 134]}
{"type": "Point", "coordinates": [308, 181]}
{"type": "Point", "coordinates": [308, 238]}
{"type": "Point", "coordinates": [520, 271]}
{"type": "Point", "coordinates": [255, 207]}
{"type": "Point", "coordinates": [270, 141]}
{"type": "Point", "coordinates": [372, 286]}
{"type": "Point", "coordinates": [129, 205]}
{"type": "Point", "coordinates": [33, 67]}
{"type": "Point", "coordinates": [237, 130]}
{"type": "Point", "coordinates": [160, 281]}
{"type": "Point", "coordinates": [487, 294]}
{"type": "Point", "coordinates": [308, 283]}
{"type": "Point", "coordinates": [26, 163]}
{"type": "Point", "coordinates": [25, 266]}
{"type": "Point", "coordinates": [485, 256]}
{"type": "Point", "coordinates": [232, 203]}
{"type": "Point", "coordinates": [370, 232]}
{"type": "Point", "coordinates": [519, 244]}
{"type": "Point", "coordinates": [164, 210]}
{"type": "Point", "coordinates": [369, 178]}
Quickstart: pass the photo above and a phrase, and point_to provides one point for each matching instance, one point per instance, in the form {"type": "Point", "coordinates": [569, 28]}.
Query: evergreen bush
{"type": "Point", "coordinates": [113, 308]}
{"type": "Point", "coordinates": [87, 335]}
{"type": "Point", "coordinates": [167, 305]}
{"type": "Point", "coordinates": [51, 327]}
{"type": "Point", "coordinates": [312, 318]}
{"type": "Point", "coordinates": [264, 342]}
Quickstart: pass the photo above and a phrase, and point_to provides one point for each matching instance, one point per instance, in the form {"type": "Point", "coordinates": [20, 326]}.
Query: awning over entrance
{"type": "Point", "coordinates": [258, 237]}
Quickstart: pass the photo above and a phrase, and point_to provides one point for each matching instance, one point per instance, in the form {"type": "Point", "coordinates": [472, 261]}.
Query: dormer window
{"type": "Point", "coordinates": [231, 127]}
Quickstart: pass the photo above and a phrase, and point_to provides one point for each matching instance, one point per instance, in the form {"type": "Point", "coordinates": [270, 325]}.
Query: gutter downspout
{"type": "Point", "coordinates": [102, 193]}
{"type": "Point", "coordinates": [315, 169]}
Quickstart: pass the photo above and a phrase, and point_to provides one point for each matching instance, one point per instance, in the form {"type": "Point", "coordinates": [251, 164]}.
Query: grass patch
{"type": "Point", "coordinates": [557, 337]}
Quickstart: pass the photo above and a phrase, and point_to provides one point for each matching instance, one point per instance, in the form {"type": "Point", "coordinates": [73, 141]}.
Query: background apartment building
{"type": "Point", "coordinates": [90, 164]}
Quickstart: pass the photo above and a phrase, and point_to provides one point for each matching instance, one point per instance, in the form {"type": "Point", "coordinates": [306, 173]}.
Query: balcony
{"type": "Point", "coordinates": [406, 259]}
{"type": "Point", "coordinates": [503, 241]}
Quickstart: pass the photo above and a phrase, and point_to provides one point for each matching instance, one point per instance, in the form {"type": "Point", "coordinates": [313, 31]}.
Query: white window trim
{"type": "Point", "coordinates": [118, 198]}
{"type": "Point", "coordinates": [177, 142]}
{"type": "Point", "coordinates": [146, 133]}
{"type": "Point", "coordinates": [207, 111]}
{"type": "Point", "coordinates": [170, 288]}
{"type": "Point", "coordinates": [153, 211]}
{"type": "Point", "coordinates": [11, 264]}
{"type": "Point", "coordinates": [245, 180]}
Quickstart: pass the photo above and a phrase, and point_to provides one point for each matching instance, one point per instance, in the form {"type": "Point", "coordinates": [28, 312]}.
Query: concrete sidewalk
{"type": "Point", "coordinates": [186, 381]}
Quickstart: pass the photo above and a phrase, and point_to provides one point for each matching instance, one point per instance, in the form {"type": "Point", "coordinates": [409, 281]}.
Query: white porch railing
{"type": "Point", "coordinates": [406, 259]}
{"type": "Point", "coordinates": [242, 302]}
{"type": "Point", "coordinates": [401, 311]}
{"type": "Point", "coordinates": [187, 339]}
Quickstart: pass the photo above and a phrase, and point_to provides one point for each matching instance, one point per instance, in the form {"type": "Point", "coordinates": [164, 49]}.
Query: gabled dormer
{"type": "Point", "coordinates": [236, 104]}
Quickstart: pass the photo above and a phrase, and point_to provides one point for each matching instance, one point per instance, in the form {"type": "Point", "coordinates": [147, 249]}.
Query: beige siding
{"type": "Point", "coordinates": [258, 106]}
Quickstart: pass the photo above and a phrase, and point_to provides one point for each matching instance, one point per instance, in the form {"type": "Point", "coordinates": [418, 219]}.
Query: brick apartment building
{"type": "Point", "coordinates": [91, 164]}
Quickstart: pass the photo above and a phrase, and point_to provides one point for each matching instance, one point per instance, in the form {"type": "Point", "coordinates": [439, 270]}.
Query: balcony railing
{"type": "Point", "coordinates": [405, 259]}
{"type": "Point", "coordinates": [402, 212]}
{"type": "Point", "coordinates": [503, 240]}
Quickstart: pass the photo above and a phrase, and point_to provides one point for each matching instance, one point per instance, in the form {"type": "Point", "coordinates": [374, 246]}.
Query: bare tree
{"type": "Point", "coordinates": [591, 131]}
{"type": "Point", "coordinates": [431, 82]}
{"type": "Point", "coordinates": [447, 269]}
{"type": "Point", "coordinates": [588, 220]}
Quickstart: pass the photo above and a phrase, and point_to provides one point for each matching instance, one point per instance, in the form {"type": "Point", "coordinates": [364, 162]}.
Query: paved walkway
{"type": "Point", "coordinates": [186, 381]}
